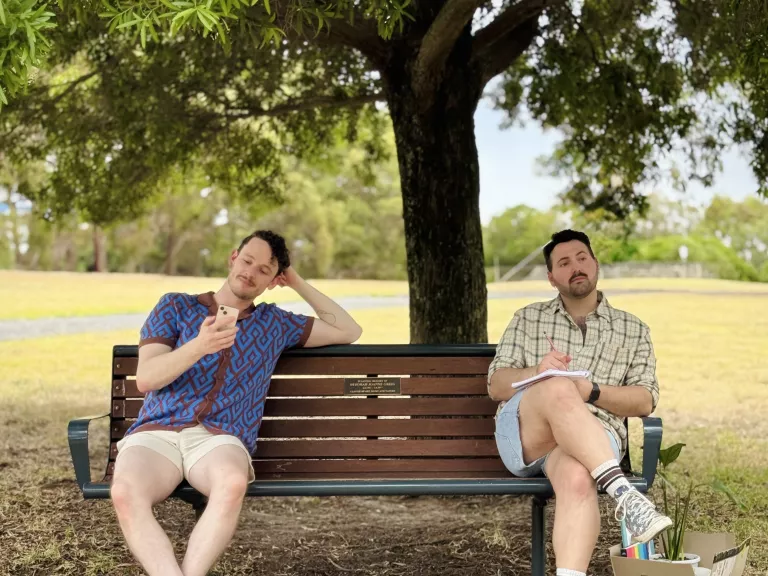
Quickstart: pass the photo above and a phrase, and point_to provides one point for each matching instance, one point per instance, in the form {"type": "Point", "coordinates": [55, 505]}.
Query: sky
{"type": "Point", "coordinates": [510, 175]}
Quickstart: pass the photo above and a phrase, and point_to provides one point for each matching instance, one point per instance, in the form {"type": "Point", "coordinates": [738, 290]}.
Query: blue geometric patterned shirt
{"type": "Point", "coordinates": [225, 392]}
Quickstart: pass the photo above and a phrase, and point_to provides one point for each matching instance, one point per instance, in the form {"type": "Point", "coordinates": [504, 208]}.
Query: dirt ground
{"type": "Point", "coordinates": [47, 528]}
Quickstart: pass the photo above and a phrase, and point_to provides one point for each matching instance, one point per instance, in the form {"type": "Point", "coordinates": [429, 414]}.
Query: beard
{"type": "Point", "coordinates": [581, 289]}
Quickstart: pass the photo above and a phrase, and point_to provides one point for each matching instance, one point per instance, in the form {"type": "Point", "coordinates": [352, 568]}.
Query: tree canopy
{"type": "Point", "coordinates": [130, 89]}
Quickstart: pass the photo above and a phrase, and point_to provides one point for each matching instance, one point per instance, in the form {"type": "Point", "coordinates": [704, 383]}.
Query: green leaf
{"type": "Point", "coordinates": [3, 99]}
{"type": "Point", "coordinates": [173, 7]}
{"type": "Point", "coordinates": [2, 19]}
{"type": "Point", "coordinates": [669, 455]}
{"type": "Point", "coordinates": [223, 36]}
{"type": "Point", "coordinates": [31, 40]}
{"type": "Point", "coordinates": [205, 19]}
{"type": "Point", "coordinates": [129, 23]}
{"type": "Point", "coordinates": [267, 7]}
{"type": "Point", "coordinates": [144, 36]}
{"type": "Point", "coordinates": [26, 6]}
{"type": "Point", "coordinates": [718, 486]}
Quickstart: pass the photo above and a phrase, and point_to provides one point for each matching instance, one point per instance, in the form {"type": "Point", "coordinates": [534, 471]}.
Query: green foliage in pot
{"type": "Point", "coordinates": [677, 503]}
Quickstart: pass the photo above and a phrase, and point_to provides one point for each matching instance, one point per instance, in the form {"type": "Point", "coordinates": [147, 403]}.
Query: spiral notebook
{"type": "Point", "coordinates": [551, 374]}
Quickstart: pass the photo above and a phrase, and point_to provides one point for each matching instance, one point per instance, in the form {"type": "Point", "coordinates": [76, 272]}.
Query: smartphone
{"type": "Point", "coordinates": [226, 317]}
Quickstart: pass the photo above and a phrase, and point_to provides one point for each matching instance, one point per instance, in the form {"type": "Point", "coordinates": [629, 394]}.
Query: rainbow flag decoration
{"type": "Point", "coordinates": [639, 551]}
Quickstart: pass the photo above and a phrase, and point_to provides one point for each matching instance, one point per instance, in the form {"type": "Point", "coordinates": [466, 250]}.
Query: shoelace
{"type": "Point", "coordinates": [637, 506]}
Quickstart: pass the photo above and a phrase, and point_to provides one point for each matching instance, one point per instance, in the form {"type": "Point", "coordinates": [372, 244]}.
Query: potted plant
{"type": "Point", "coordinates": [677, 505]}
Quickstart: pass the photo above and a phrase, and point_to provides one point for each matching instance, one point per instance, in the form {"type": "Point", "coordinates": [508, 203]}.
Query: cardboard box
{"type": "Point", "coordinates": [731, 559]}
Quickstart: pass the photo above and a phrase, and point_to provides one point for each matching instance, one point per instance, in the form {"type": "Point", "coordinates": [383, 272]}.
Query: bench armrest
{"type": "Point", "coordinates": [652, 431]}
{"type": "Point", "coordinates": [77, 434]}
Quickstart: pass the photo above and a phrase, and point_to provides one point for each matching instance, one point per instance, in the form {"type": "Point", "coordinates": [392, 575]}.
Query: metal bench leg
{"type": "Point", "coordinates": [538, 546]}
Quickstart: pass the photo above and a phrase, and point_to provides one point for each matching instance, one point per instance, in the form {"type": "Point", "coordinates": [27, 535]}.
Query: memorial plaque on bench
{"type": "Point", "coordinates": [371, 386]}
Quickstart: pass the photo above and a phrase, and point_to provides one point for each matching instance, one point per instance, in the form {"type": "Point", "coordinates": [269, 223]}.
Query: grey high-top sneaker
{"type": "Point", "coordinates": [640, 516]}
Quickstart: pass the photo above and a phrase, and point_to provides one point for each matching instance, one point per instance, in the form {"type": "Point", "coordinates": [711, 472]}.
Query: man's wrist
{"type": "Point", "coordinates": [194, 349]}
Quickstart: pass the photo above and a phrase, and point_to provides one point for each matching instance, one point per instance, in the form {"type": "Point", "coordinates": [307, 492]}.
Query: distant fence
{"type": "Point", "coordinates": [639, 270]}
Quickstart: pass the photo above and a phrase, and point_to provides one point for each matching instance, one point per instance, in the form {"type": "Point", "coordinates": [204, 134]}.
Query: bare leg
{"type": "Point", "coordinates": [143, 478]}
{"type": "Point", "coordinates": [577, 516]}
{"type": "Point", "coordinates": [552, 413]}
{"type": "Point", "coordinates": [222, 475]}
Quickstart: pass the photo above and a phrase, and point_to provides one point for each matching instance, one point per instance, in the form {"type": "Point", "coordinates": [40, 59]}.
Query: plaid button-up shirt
{"type": "Point", "coordinates": [616, 349]}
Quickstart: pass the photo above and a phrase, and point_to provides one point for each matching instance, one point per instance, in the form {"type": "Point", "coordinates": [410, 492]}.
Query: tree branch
{"type": "Point", "coordinates": [507, 21]}
{"type": "Point", "coordinates": [306, 104]}
{"type": "Point", "coordinates": [502, 41]}
{"type": "Point", "coordinates": [439, 41]}
{"type": "Point", "coordinates": [509, 48]}
{"type": "Point", "coordinates": [362, 37]}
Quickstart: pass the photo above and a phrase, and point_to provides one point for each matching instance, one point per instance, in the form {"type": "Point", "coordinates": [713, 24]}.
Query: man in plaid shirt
{"type": "Point", "coordinates": [572, 428]}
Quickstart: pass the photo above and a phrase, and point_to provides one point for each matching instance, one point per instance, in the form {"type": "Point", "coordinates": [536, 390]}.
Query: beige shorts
{"type": "Point", "coordinates": [184, 448]}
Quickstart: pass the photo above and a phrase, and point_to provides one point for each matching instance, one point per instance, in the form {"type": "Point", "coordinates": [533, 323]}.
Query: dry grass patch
{"type": "Point", "coordinates": [715, 399]}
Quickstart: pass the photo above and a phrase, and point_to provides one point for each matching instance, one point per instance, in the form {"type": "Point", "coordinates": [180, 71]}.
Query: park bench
{"type": "Point", "coordinates": [366, 421]}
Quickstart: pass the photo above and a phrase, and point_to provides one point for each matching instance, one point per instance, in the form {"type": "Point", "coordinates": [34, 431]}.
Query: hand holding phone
{"type": "Point", "coordinates": [217, 332]}
{"type": "Point", "coordinates": [226, 317]}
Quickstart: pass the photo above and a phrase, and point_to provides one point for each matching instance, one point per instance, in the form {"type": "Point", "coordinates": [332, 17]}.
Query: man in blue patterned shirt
{"type": "Point", "coordinates": [205, 391]}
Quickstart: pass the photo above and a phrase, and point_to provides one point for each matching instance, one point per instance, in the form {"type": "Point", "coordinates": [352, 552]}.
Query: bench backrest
{"type": "Point", "coordinates": [398, 411]}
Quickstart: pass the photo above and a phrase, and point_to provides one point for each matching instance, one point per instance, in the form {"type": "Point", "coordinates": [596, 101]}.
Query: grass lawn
{"type": "Point", "coordinates": [714, 381]}
{"type": "Point", "coordinates": [54, 294]}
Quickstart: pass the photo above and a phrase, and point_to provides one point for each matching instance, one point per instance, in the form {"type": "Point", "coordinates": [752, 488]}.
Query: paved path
{"type": "Point", "coordinates": [23, 329]}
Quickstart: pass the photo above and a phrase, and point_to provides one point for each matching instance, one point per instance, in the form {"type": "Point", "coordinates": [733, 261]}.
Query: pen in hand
{"type": "Point", "coordinates": [551, 344]}
{"type": "Point", "coordinates": [567, 358]}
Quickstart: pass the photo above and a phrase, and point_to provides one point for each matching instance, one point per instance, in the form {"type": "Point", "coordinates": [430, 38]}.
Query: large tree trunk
{"type": "Point", "coordinates": [439, 176]}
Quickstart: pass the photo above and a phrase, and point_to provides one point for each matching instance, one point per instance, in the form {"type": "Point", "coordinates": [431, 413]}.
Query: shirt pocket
{"type": "Point", "coordinates": [612, 365]}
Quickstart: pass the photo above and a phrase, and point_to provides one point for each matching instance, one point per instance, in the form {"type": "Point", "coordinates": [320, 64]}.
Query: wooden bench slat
{"type": "Point", "coordinates": [281, 466]}
{"type": "Point", "coordinates": [374, 448]}
{"type": "Point", "coordinates": [361, 465]}
{"type": "Point", "coordinates": [383, 365]}
{"type": "Point", "coordinates": [371, 428]}
{"type": "Point", "coordinates": [353, 365]}
{"type": "Point", "coordinates": [124, 388]}
{"type": "Point", "coordinates": [354, 475]}
{"type": "Point", "coordinates": [381, 406]}
{"type": "Point", "coordinates": [419, 474]}
{"type": "Point", "coordinates": [368, 448]}
{"type": "Point", "coordinates": [125, 366]}
{"type": "Point", "coordinates": [415, 385]}
{"type": "Point", "coordinates": [322, 428]}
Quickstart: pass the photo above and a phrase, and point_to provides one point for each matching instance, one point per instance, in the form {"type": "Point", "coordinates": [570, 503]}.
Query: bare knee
{"type": "Point", "coordinates": [229, 489]}
{"type": "Point", "coordinates": [560, 393]}
{"type": "Point", "coordinates": [126, 498]}
{"type": "Point", "coordinates": [573, 481]}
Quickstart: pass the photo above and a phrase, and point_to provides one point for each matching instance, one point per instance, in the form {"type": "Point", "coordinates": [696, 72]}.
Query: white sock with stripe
{"type": "Point", "coordinates": [566, 572]}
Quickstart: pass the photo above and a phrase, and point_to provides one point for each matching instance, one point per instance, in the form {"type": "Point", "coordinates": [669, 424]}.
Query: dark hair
{"type": "Point", "coordinates": [560, 238]}
{"type": "Point", "coordinates": [276, 244]}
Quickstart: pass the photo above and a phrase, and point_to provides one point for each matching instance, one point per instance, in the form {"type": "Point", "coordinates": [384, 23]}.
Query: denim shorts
{"type": "Point", "coordinates": [510, 447]}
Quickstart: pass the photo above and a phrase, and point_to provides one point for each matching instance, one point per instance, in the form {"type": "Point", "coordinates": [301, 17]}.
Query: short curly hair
{"type": "Point", "coordinates": [562, 237]}
{"type": "Point", "coordinates": [276, 244]}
